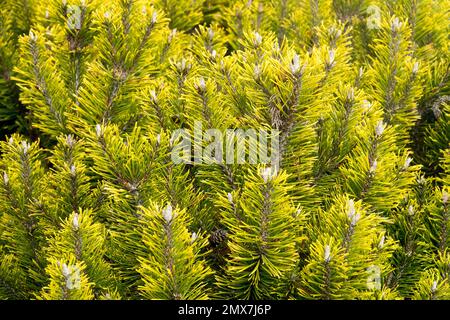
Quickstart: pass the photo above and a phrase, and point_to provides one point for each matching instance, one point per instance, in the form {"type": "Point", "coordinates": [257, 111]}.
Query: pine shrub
{"type": "Point", "coordinates": [98, 199]}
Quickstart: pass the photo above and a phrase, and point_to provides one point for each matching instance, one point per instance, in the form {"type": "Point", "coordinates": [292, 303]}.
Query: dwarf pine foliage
{"type": "Point", "coordinates": [115, 184]}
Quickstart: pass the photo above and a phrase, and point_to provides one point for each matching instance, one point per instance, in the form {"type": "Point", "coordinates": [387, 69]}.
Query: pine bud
{"type": "Point", "coordinates": [407, 163]}
{"type": "Point", "coordinates": [70, 140]}
{"type": "Point", "coordinates": [201, 84]}
{"type": "Point", "coordinates": [379, 129]}
{"type": "Point", "coordinates": [47, 14]}
{"type": "Point", "coordinates": [366, 104]}
{"type": "Point", "coordinates": [144, 10]}
{"type": "Point", "coordinates": [172, 35]}
{"type": "Point", "coordinates": [167, 213]}
{"type": "Point", "coordinates": [351, 94]}
{"type": "Point", "coordinates": [230, 198]}
{"type": "Point", "coordinates": [257, 72]}
{"type": "Point", "coordinates": [351, 208]}
{"type": "Point", "coordinates": [73, 170]}
{"type": "Point", "coordinates": [153, 97]}
{"type": "Point", "coordinates": [268, 173]}
{"type": "Point", "coordinates": [327, 254]}
{"type": "Point", "coordinates": [75, 222]}
{"type": "Point", "coordinates": [295, 65]}
{"type": "Point", "coordinates": [33, 37]}
{"type": "Point", "coordinates": [411, 210]}
{"type": "Point", "coordinates": [158, 139]}
{"type": "Point", "coordinates": [107, 15]}
{"type": "Point", "coordinates": [25, 147]}
{"type": "Point", "coordinates": [11, 141]}
{"type": "Point", "coordinates": [434, 286]}
{"type": "Point", "coordinates": [331, 57]}
{"type": "Point", "coordinates": [421, 180]}
{"type": "Point", "coordinates": [396, 25]}
{"type": "Point", "coordinates": [213, 54]}
{"type": "Point", "coordinates": [210, 34]}
{"type": "Point", "coordinates": [415, 68]}
{"type": "Point", "coordinates": [5, 178]}
{"type": "Point", "coordinates": [98, 130]}
{"type": "Point", "coordinates": [352, 215]}
{"type": "Point", "coordinates": [257, 40]}
{"type": "Point", "coordinates": [65, 270]}
{"type": "Point", "coordinates": [154, 17]}
{"type": "Point", "coordinates": [360, 72]}
{"type": "Point", "coordinates": [381, 244]}
{"type": "Point", "coordinates": [373, 167]}
{"type": "Point", "coordinates": [444, 197]}
{"type": "Point", "coordinates": [194, 237]}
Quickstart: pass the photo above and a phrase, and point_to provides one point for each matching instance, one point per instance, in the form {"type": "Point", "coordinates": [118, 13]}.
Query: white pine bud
{"type": "Point", "coordinates": [373, 167]}
{"type": "Point", "coordinates": [213, 54]}
{"type": "Point", "coordinates": [415, 68]}
{"type": "Point", "coordinates": [408, 161]}
{"type": "Point", "coordinates": [265, 174]}
{"type": "Point", "coordinates": [331, 57]}
{"type": "Point", "coordinates": [11, 141]}
{"type": "Point", "coordinates": [98, 130]}
{"type": "Point", "coordinates": [65, 270]}
{"type": "Point", "coordinates": [379, 129]}
{"type": "Point", "coordinates": [5, 178]}
{"type": "Point", "coordinates": [144, 10]}
{"type": "Point", "coordinates": [351, 94]}
{"type": "Point", "coordinates": [107, 15]}
{"type": "Point", "coordinates": [167, 213]}
{"type": "Point", "coordinates": [366, 104]}
{"type": "Point", "coordinates": [172, 35]}
{"type": "Point", "coordinates": [158, 139]}
{"type": "Point", "coordinates": [360, 72]}
{"type": "Point", "coordinates": [351, 208]}
{"type": "Point", "coordinates": [381, 244]}
{"type": "Point", "coordinates": [327, 254]}
{"type": "Point", "coordinates": [154, 17]}
{"type": "Point", "coordinates": [73, 170]}
{"type": "Point", "coordinates": [201, 84]}
{"type": "Point", "coordinates": [257, 71]}
{"type": "Point", "coordinates": [70, 140]}
{"type": "Point", "coordinates": [258, 39]}
{"type": "Point", "coordinates": [434, 286]}
{"type": "Point", "coordinates": [47, 14]}
{"type": "Point", "coordinates": [230, 198]}
{"type": "Point", "coordinates": [33, 36]}
{"type": "Point", "coordinates": [153, 97]}
{"type": "Point", "coordinates": [295, 65]}
{"type": "Point", "coordinates": [182, 65]}
{"type": "Point", "coordinates": [396, 25]}
{"type": "Point", "coordinates": [75, 222]}
{"type": "Point", "coordinates": [210, 33]}
{"type": "Point", "coordinates": [444, 197]}
{"type": "Point", "coordinates": [25, 147]}
{"type": "Point", "coordinates": [194, 237]}
{"type": "Point", "coordinates": [268, 173]}
{"type": "Point", "coordinates": [411, 210]}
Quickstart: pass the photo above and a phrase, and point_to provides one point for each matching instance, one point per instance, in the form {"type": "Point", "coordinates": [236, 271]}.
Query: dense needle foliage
{"type": "Point", "coordinates": [93, 206]}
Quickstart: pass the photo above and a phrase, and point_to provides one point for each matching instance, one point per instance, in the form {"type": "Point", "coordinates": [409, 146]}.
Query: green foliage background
{"type": "Point", "coordinates": [92, 207]}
